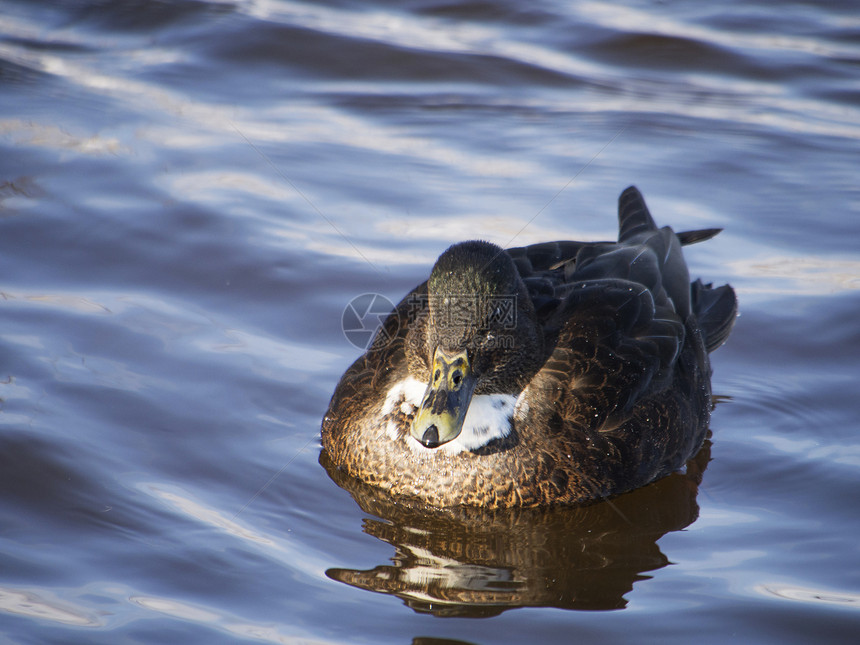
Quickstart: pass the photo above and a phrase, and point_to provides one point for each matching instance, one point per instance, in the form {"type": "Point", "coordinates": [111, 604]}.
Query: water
{"type": "Point", "coordinates": [191, 193]}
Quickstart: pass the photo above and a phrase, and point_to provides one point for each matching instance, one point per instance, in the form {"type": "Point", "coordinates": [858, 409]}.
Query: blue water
{"type": "Point", "coordinates": [192, 192]}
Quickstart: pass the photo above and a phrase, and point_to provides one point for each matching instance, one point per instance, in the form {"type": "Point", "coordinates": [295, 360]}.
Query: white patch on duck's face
{"type": "Point", "coordinates": [409, 391]}
{"type": "Point", "coordinates": [407, 394]}
{"type": "Point", "coordinates": [488, 417]}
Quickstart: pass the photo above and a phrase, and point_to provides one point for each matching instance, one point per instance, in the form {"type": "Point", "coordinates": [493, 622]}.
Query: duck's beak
{"type": "Point", "coordinates": [446, 401]}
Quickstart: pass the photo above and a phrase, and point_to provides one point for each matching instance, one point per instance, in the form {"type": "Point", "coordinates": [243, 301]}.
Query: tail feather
{"type": "Point", "coordinates": [716, 310]}
{"type": "Point", "coordinates": [633, 215]}
{"type": "Point", "coordinates": [691, 237]}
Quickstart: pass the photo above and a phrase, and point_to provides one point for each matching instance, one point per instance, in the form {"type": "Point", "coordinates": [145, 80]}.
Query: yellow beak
{"type": "Point", "coordinates": [446, 400]}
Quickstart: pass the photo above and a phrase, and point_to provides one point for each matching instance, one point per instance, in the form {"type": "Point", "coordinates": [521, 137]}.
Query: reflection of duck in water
{"type": "Point", "coordinates": [555, 373]}
{"type": "Point", "coordinates": [475, 562]}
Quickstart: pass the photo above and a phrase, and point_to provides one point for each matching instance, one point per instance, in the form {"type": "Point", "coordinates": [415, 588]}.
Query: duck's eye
{"type": "Point", "coordinates": [457, 378]}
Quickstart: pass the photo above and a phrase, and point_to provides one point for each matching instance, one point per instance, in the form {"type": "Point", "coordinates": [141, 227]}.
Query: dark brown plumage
{"type": "Point", "coordinates": [605, 348]}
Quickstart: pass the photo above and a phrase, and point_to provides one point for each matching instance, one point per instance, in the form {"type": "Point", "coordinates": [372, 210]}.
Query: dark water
{"type": "Point", "coordinates": [191, 193]}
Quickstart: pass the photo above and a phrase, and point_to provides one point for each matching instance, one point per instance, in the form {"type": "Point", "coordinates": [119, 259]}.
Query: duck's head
{"type": "Point", "coordinates": [478, 335]}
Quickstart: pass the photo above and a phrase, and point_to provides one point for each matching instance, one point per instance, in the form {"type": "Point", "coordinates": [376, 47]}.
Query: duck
{"type": "Point", "coordinates": [559, 373]}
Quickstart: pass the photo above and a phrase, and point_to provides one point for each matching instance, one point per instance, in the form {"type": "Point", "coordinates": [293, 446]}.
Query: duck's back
{"type": "Point", "coordinates": [643, 255]}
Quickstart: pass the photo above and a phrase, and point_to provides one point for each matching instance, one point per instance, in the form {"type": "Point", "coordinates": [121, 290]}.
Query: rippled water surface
{"type": "Point", "coordinates": [190, 194]}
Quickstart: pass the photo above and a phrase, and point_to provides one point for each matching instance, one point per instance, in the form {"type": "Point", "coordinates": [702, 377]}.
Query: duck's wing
{"type": "Point", "coordinates": [539, 259]}
{"type": "Point", "coordinates": [624, 314]}
{"type": "Point", "coordinates": [620, 323]}
{"type": "Point", "coordinates": [612, 344]}
{"type": "Point", "coordinates": [541, 266]}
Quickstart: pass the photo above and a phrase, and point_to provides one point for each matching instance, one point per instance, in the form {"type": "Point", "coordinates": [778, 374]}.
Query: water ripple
{"type": "Point", "coordinates": [40, 606]}
{"type": "Point", "coordinates": [814, 596]}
